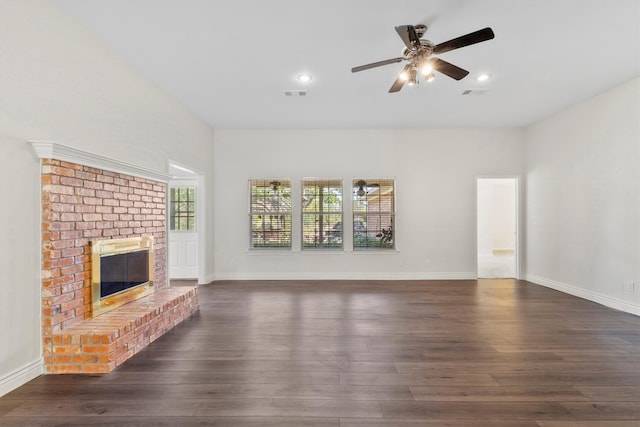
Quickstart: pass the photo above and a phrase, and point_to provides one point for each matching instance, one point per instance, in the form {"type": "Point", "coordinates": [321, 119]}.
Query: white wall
{"type": "Point", "coordinates": [435, 172]}
{"type": "Point", "coordinates": [58, 83]}
{"type": "Point", "coordinates": [583, 199]}
{"type": "Point", "coordinates": [504, 219]}
{"type": "Point", "coordinates": [496, 215]}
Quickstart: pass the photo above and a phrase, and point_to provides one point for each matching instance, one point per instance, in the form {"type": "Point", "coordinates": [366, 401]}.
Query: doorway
{"type": "Point", "coordinates": [497, 225]}
{"type": "Point", "coordinates": [185, 245]}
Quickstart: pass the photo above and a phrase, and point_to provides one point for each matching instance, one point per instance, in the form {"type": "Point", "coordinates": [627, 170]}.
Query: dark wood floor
{"type": "Point", "coordinates": [495, 353]}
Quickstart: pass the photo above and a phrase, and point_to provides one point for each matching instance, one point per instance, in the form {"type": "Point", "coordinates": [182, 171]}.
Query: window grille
{"type": "Point", "coordinates": [182, 209]}
{"type": "Point", "coordinates": [270, 213]}
{"type": "Point", "coordinates": [373, 214]}
{"type": "Point", "coordinates": [322, 214]}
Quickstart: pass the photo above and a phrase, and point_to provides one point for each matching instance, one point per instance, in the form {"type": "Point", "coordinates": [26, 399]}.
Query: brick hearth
{"type": "Point", "coordinates": [100, 344]}
{"type": "Point", "coordinates": [81, 204]}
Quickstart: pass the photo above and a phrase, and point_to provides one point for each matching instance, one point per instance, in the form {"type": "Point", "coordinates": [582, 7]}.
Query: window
{"type": "Point", "coordinates": [321, 214]}
{"type": "Point", "coordinates": [270, 213]}
{"type": "Point", "coordinates": [182, 209]}
{"type": "Point", "coordinates": [373, 214]}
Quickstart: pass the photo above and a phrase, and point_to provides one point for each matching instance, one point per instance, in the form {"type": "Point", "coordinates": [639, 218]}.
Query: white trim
{"type": "Point", "coordinates": [198, 182]}
{"type": "Point", "coordinates": [202, 229]}
{"type": "Point", "coordinates": [374, 251]}
{"type": "Point", "coordinates": [348, 276]}
{"type": "Point", "coordinates": [321, 251]}
{"type": "Point", "coordinates": [21, 376]}
{"type": "Point", "coordinates": [271, 251]}
{"type": "Point", "coordinates": [54, 150]}
{"type": "Point", "coordinates": [186, 171]}
{"type": "Point", "coordinates": [596, 297]}
{"type": "Point", "coordinates": [207, 279]}
{"type": "Point", "coordinates": [197, 179]}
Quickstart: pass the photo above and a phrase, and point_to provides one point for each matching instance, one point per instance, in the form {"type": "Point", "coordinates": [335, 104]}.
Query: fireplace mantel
{"type": "Point", "coordinates": [54, 150]}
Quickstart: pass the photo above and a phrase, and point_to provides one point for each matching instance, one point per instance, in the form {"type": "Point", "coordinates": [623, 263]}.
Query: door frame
{"type": "Point", "coordinates": [518, 220]}
{"type": "Point", "coordinates": [181, 173]}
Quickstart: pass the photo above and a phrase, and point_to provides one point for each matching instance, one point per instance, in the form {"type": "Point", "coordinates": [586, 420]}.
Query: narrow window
{"type": "Point", "coordinates": [373, 214]}
{"type": "Point", "coordinates": [270, 213]}
{"type": "Point", "coordinates": [322, 214]}
{"type": "Point", "coordinates": [182, 209]}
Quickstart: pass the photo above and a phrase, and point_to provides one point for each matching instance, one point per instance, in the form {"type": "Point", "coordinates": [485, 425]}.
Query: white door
{"type": "Point", "coordinates": [497, 202]}
{"type": "Point", "coordinates": [183, 229]}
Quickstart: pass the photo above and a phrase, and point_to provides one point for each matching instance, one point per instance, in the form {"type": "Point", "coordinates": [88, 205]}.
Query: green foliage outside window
{"type": "Point", "coordinates": [373, 214]}
{"type": "Point", "coordinates": [270, 213]}
{"type": "Point", "coordinates": [322, 214]}
{"type": "Point", "coordinates": [182, 209]}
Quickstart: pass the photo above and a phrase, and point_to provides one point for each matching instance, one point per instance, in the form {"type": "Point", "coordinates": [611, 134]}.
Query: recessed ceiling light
{"type": "Point", "coordinates": [483, 77]}
{"type": "Point", "coordinates": [304, 77]}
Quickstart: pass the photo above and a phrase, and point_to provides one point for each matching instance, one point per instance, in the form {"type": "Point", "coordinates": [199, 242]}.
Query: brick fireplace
{"type": "Point", "coordinates": [82, 204]}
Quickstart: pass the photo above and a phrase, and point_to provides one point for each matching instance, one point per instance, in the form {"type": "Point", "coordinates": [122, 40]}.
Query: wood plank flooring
{"type": "Point", "coordinates": [488, 353]}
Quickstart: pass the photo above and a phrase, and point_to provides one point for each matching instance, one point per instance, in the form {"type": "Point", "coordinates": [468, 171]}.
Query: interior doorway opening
{"type": "Point", "coordinates": [497, 225]}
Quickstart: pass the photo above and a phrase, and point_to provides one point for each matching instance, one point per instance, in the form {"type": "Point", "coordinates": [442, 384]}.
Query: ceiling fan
{"type": "Point", "coordinates": [361, 184]}
{"type": "Point", "coordinates": [418, 52]}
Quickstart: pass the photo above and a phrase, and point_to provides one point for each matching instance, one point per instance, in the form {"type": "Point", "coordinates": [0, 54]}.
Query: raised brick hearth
{"type": "Point", "coordinates": [100, 344]}
{"type": "Point", "coordinates": [81, 204]}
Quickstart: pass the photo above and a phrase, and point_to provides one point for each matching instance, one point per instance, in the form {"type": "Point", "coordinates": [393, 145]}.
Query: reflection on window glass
{"type": "Point", "coordinates": [373, 214]}
{"type": "Point", "coordinates": [270, 213]}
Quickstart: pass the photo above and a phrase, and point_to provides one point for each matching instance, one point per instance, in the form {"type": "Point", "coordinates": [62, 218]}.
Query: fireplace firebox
{"type": "Point", "coordinates": [121, 271]}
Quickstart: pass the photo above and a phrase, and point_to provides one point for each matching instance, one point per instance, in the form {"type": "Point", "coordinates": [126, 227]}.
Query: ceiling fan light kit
{"type": "Point", "coordinates": [418, 53]}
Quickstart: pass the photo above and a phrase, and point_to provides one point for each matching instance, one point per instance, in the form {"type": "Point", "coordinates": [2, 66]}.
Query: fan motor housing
{"type": "Point", "coordinates": [426, 47]}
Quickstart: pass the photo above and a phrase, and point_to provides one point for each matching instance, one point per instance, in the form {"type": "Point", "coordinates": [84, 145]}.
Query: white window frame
{"type": "Point", "coordinates": [374, 229]}
{"type": "Point", "coordinates": [330, 233]}
{"type": "Point", "coordinates": [274, 213]}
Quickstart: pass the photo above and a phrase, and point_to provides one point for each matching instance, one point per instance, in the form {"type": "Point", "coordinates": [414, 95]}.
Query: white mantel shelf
{"type": "Point", "coordinates": [54, 150]}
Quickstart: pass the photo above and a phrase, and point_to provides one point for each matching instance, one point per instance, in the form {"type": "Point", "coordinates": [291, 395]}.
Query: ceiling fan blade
{"type": "Point", "coordinates": [376, 64]}
{"type": "Point", "coordinates": [448, 69]}
{"type": "Point", "coordinates": [409, 37]}
{"type": "Point", "coordinates": [466, 40]}
{"type": "Point", "coordinates": [400, 81]}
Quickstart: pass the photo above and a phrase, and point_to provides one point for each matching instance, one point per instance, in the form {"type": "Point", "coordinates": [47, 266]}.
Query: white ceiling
{"type": "Point", "coordinates": [229, 61]}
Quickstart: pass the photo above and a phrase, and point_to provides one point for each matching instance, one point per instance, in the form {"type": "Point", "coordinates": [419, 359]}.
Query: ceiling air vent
{"type": "Point", "coordinates": [295, 93]}
{"type": "Point", "coordinates": [475, 91]}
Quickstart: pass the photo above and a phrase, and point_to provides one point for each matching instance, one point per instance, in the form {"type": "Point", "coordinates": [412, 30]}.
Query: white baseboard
{"type": "Point", "coordinates": [348, 276]}
{"type": "Point", "coordinates": [208, 279]}
{"type": "Point", "coordinates": [21, 376]}
{"type": "Point", "coordinates": [596, 297]}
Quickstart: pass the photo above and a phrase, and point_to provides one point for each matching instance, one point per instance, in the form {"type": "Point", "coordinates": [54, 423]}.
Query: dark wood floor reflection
{"type": "Point", "coordinates": [497, 353]}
